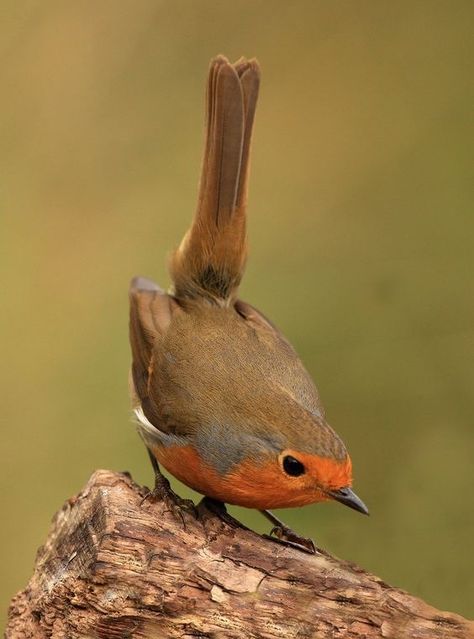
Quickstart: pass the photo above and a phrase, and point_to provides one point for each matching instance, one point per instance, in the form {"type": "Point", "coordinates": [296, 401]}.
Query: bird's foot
{"type": "Point", "coordinates": [289, 538]}
{"type": "Point", "coordinates": [218, 508]}
{"type": "Point", "coordinates": [174, 503]}
{"type": "Point", "coordinates": [284, 535]}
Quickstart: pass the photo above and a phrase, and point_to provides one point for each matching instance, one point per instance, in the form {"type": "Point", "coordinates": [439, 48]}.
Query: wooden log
{"type": "Point", "coordinates": [113, 566]}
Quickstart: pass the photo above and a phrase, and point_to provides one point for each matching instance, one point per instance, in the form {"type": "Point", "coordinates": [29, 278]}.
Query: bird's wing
{"type": "Point", "coordinates": [151, 311]}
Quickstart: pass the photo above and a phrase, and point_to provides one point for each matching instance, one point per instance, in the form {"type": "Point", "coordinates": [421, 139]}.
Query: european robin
{"type": "Point", "coordinates": [223, 401]}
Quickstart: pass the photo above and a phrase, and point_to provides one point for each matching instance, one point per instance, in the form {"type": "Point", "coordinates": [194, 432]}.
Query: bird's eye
{"type": "Point", "coordinates": [292, 466]}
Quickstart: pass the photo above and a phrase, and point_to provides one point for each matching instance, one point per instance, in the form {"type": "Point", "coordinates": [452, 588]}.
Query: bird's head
{"type": "Point", "coordinates": [309, 477]}
{"type": "Point", "coordinates": [312, 467]}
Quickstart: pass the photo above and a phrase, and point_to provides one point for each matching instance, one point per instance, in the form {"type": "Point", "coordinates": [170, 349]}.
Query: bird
{"type": "Point", "coordinates": [222, 400]}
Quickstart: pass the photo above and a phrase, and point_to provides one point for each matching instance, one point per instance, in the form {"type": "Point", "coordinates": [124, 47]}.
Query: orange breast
{"type": "Point", "coordinates": [250, 484]}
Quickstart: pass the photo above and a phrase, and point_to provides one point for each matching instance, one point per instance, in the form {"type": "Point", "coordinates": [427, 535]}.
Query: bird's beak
{"type": "Point", "coordinates": [348, 497]}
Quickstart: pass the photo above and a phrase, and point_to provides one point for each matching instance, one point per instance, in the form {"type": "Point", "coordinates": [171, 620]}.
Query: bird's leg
{"type": "Point", "coordinates": [218, 508]}
{"type": "Point", "coordinates": [279, 532]}
{"type": "Point", "coordinates": [162, 491]}
{"type": "Point", "coordinates": [288, 536]}
{"type": "Point", "coordinates": [162, 486]}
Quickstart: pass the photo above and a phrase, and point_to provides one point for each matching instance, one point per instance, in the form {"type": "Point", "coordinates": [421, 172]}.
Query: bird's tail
{"type": "Point", "coordinates": [211, 258]}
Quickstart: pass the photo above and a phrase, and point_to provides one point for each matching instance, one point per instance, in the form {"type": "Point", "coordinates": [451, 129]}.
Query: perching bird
{"type": "Point", "coordinates": [223, 401]}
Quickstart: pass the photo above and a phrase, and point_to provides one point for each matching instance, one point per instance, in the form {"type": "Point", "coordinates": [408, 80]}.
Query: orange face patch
{"type": "Point", "coordinates": [257, 484]}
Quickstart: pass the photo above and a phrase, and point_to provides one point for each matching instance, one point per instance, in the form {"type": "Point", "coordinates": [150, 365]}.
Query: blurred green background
{"type": "Point", "coordinates": [361, 232]}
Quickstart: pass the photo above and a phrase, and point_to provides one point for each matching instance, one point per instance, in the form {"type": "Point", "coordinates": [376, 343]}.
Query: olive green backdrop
{"type": "Point", "coordinates": [361, 235]}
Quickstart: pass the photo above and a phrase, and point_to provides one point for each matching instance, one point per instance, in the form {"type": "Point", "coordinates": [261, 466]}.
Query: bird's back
{"type": "Point", "coordinates": [215, 368]}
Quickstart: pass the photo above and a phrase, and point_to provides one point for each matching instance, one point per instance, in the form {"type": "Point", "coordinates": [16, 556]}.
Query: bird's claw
{"type": "Point", "coordinates": [290, 538]}
{"type": "Point", "coordinates": [174, 503]}
{"type": "Point", "coordinates": [218, 508]}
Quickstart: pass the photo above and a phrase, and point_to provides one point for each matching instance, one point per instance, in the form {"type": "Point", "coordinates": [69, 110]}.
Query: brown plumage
{"type": "Point", "coordinates": [222, 398]}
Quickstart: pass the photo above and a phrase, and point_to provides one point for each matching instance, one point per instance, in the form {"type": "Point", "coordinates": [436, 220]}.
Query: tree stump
{"type": "Point", "coordinates": [115, 566]}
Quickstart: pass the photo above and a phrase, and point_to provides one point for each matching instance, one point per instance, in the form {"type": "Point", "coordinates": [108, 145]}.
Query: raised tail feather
{"type": "Point", "coordinates": [211, 258]}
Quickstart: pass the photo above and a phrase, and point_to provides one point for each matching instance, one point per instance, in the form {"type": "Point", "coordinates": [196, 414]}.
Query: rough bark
{"type": "Point", "coordinates": [113, 566]}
